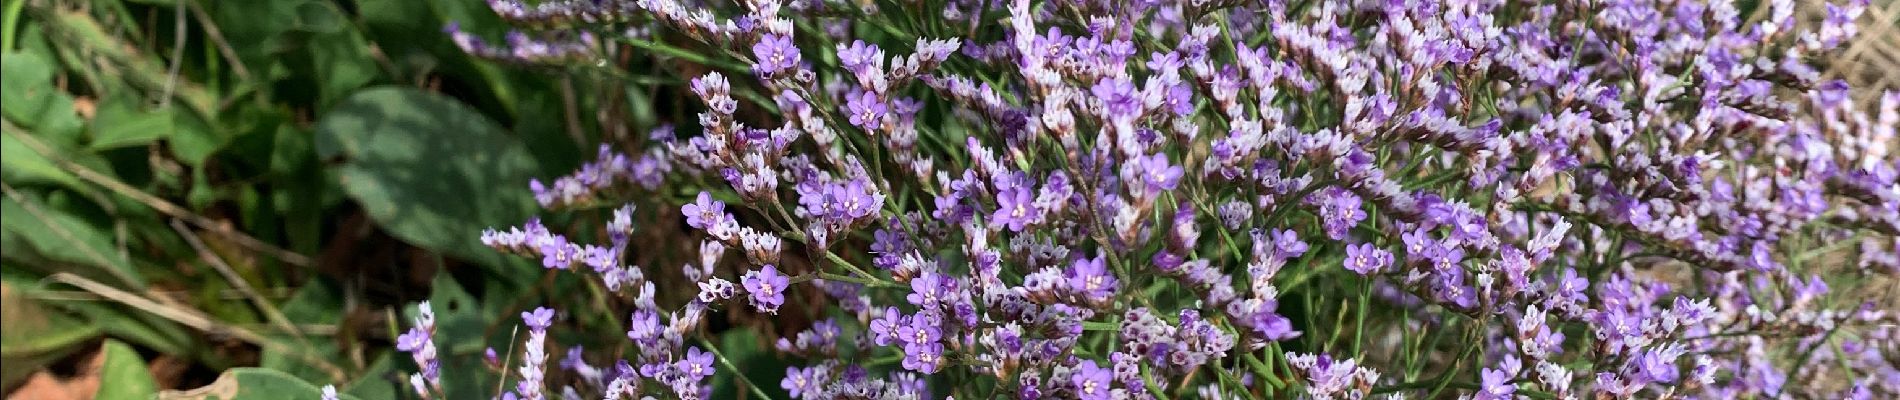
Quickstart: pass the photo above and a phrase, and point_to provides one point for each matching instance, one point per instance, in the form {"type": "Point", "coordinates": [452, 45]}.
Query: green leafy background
{"type": "Point", "coordinates": [263, 193]}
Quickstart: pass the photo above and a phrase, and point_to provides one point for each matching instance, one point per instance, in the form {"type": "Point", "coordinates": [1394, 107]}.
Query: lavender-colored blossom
{"type": "Point", "coordinates": [1119, 96]}
{"type": "Point", "coordinates": [696, 365]}
{"type": "Point", "coordinates": [799, 381]}
{"type": "Point", "coordinates": [1365, 259]}
{"type": "Point", "coordinates": [1496, 385]}
{"type": "Point", "coordinates": [1092, 382]}
{"type": "Point", "coordinates": [1339, 209]}
{"type": "Point", "coordinates": [1464, 137]}
{"type": "Point", "coordinates": [929, 290]}
{"type": "Point", "coordinates": [767, 288]}
{"type": "Point", "coordinates": [865, 110]}
{"type": "Point", "coordinates": [1158, 174]}
{"type": "Point", "coordinates": [1016, 209]}
{"type": "Point", "coordinates": [1089, 278]}
{"type": "Point", "coordinates": [860, 58]}
{"type": "Point", "coordinates": [534, 355]}
{"type": "Point", "coordinates": [926, 358]}
{"type": "Point", "coordinates": [774, 54]}
{"type": "Point", "coordinates": [419, 342]}
{"type": "Point", "coordinates": [704, 212]}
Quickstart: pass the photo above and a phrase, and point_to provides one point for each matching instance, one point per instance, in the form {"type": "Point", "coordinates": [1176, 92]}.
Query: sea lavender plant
{"type": "Point", "coordinates": [1324, 199]}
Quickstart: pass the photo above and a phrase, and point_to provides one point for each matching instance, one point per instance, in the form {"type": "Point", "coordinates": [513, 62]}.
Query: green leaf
{"type": "Point", "coordinates": [321, 17]}
{"type": "Point", "coordinates": [430, 170]}
{"type": "Point", "coordinates": [317, 302]}
{"type": "Point", "coordinates": [121, 123]}
{"type": "Point", "coordinates": [61, 236]}
{"type": "Point", "coordinates": [343, 64]}
{"type": "Point", "coordinates": [137, 327]}
{"type": "Point", "coordinates": [126, 373]}
{"type": "Point", "coordinates": [34, 334]}
{"type": "Point", "coordinates": [33, 328]}
{"type": "Point", "coordinates": [410, 33]}
{"type": "Point", "coordinates": [381, 381]}
{"type": "Point", "coordinates": [255, 29]}
{"type": "Point", "coordinates": [252, 384]}
{"type": "Point", "coordinates": [194, 140]}
{"type": "Point", "coordinates": [31, 99]}
{"type": "Point", "coordinates": [19, 164]}
{"type": "Point", "coordinates": [28, 86]}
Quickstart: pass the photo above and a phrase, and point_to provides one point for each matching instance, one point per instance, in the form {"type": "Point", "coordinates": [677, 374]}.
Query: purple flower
{"type": "Point", "coordinates": [865, 110]}
{"type": "Point", "coordinates": [697, 365]}
{"type": "Point", "coordinates": [1287, 244]}
{"type": "Point", "coordinates": [558, 253]}
{"type": "Point", "coordinates": [1339, 208]}
{"type": "Point", "coordinates": [704, 212]}
{"type": "Point", "coordinates": [1092, 382]}
{"type": "Point", "coordinates": [1089, 277]}
{"type": "Point", "coordinates": [414, 339]}
{"type": "Point", "coordinates": [1365, 259]}
{"type": "Point", "coordinates": [534, 356]}
{"type": "Point", "coordinates": [775, 54]}
{"type": "Point", "coordinates": [853, 200]}
{"type": "Point", "coordinates": [1158, 174]}
{"type": "Point", "coordinates": [1659, 365]}
{"type": "Point", "coordinates": [799, 381]}
{"type": "Point", "coordinates": [923, 357]}
{"type": "Point", "coordinates": [928, 289]}
{"type": "Point", "coordinates": [1016, 209]}
{"type": "Point", "coordinates": [539, 318]}
{"type": "Point", "coordinates": [1496, 385]}
{"type": "Point", "coordinates": [886, 328]}
{"type": "Point", "coordinates": [919, 328]}
{"type": "Point", "coordinates": [767, 288]}
{"type": "Point", "coordinates": [644, 327]}
{"type": "Point", "coordinates": [1119, 96]}
{"type": "Point", "coordinates": [937, 50]}
{"type": "Point", "coordinates": [860, 58]}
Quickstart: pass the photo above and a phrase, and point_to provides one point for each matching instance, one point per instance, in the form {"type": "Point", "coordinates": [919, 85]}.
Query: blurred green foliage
{"type": "Point", "coordinates": [214, 181]}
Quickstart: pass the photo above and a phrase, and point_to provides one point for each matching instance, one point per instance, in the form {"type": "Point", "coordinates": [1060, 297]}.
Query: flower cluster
{"type": "Point", "coordinates": [419, 342]}
{"type": "Point", "coordinates": [1325, 199]}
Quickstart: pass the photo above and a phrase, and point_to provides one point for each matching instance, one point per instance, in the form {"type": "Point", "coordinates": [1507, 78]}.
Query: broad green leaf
{"type": "Point", "coordinates": [32, 101]}
{"type": "Point", "coordinates": [20, 164]}
{"type": "Point", "coordinates": [28, 86]}
{"type": "Point", "coordinates": [125, 374]}
{"type": "Point", "coordinates": [342, 64]}
{"type": "Point", "coordinates": [252, 384]}
{"type": "Point", "coordinates": [122, 122]}
{"type": "Point", "coordinates": [61, 236]}
{"type": "Point", "coordinates": [193, 140]}
{"type": "Point", "coordinates": [430, 170]}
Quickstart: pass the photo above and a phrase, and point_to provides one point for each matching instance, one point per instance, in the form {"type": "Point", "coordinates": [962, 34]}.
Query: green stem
{"type": "Point", "coordinates": [1261, 369]}
{"type": "Point", "coordinates": [10, 23]}
{"type": "Point", "coordinates": [735, 370]}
